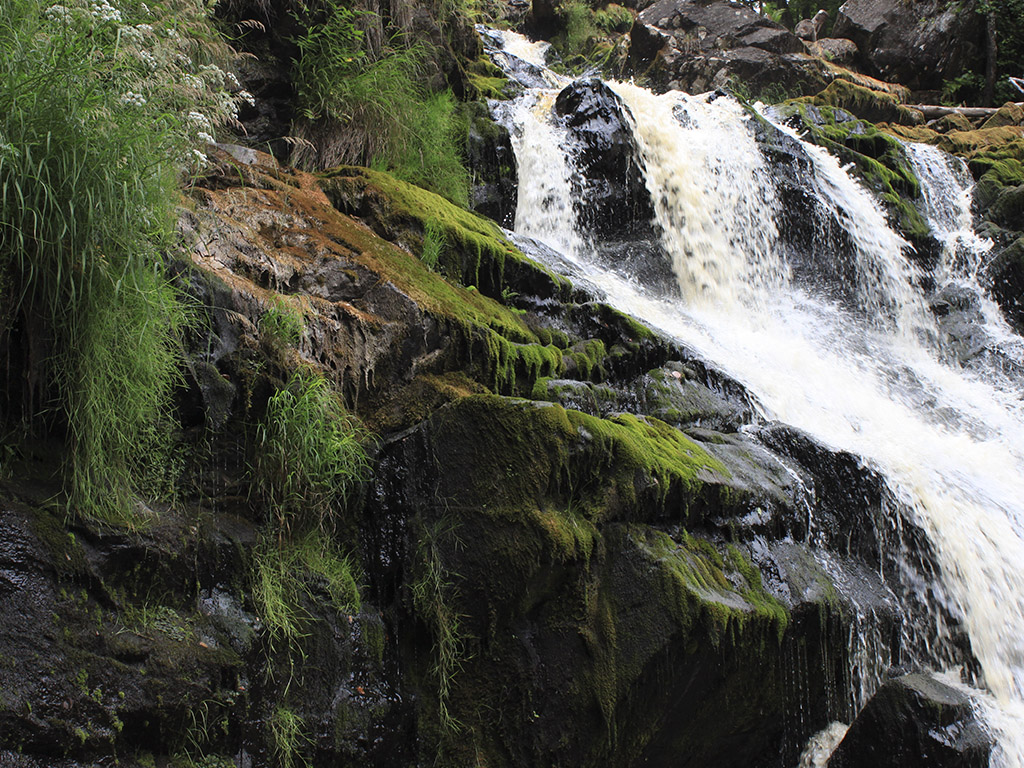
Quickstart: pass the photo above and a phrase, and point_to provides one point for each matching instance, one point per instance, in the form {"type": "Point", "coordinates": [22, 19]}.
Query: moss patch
{"type": "Point", "coordinates": [528, 456]}
{"type": "Point", "coordinates": [877, 157]}
{"type": "Point", "coordinates": [865, 103]}
{"type": "Point", "coordinates": [474, 251]}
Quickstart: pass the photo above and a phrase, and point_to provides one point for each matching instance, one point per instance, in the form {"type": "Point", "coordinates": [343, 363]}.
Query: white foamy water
{"type": "Point", "coordinates": [949, 443]}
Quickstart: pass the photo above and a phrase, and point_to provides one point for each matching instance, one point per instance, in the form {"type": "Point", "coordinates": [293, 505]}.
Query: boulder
{"type": "Point", "coordinates": [915, 721]}
{"type": "Point", "coordinates": [1008, 114]}
{"type": "Point", "coordinates": [811, 29]}
{"type": "Point", "coordinates": [920, 44]}
{"type": "Point", "coordinates": [698, 46]}
{"type": "Point", "coordinates": [838, 50]}
{"type": "Point", "coordinates": [613, 201]}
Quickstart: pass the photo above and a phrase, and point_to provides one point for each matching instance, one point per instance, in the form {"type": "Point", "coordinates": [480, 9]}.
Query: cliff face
{"type": "Point", "coordinates": [563, 578]}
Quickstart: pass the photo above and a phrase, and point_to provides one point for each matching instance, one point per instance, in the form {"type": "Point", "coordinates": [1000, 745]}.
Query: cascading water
{"type": "Point", "coordinates": [947, 440]}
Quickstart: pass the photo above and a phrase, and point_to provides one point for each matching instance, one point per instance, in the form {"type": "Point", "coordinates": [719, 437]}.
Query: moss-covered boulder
{"type": "Point", "coordinates": [876, 156]}
{"type": "Point", "coordinates": [543, 564]}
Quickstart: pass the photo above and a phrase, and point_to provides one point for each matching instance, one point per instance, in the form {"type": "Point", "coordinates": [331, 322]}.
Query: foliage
{"type": "Point", "coordinates": [287, 575]}
{"type": "Point", "coordinates": [433, 596]}
{"type": "Point", "coordinates": [99, 106]}
{"type": "Point", "coordinates": [281, 323]}
{"type": "Point", "coordinates": [286, 736]}
{"type": "Point", "coordinates": [433, 243]}
{"type": "Point", "coordinates": [309, 456]}
{"type": "Point", "coordinates": [373, 110]}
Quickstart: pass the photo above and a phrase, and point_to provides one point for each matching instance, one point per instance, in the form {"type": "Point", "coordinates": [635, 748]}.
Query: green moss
{"type": "Point", "coordinates": [530, 457]}
{"type": "Point", "coordinates": [877, 157]}
{"type": "Point", "coordinates": [65, 551]}
{"type": "Point", "coordinates": [587, 357]}
{"type": "Point", "coordinates": [865, 103]}
{"type": "Point", "coordinates": [477, 251]}
{"type": "Point", "coordinates": [720, 593]}
{"type": "Point", "coordinates": [488, 87]}
{"type": "Point", "coordinates": [569, 534]}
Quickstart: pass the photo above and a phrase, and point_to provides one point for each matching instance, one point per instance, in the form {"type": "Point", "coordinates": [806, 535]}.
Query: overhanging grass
{"type": "Point", "coordinates": [87, 185]}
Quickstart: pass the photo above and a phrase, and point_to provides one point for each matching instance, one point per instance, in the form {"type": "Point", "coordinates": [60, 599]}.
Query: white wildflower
{"type": "Point", "coordinates": [171, 32]}
{"type": "Point", "coordinates": [149, 60]}
{"type": "Point", "coordinates": [198, 121]}
{"type": "Point", "coordinates": [58, 13]}
{"type": "Point", "coordinates": [102, 10]}
{"type": "Point", "coordinates": [145, 10]}
{"type": "Point", "coordinates": [247, 97]}
{"type": "Point", "coordinates": [193, 82]}
{"type": "Point", "coordinates": [145, 29]}
{"type": "Point", "coordinates": [131, 35]}
{"type": "Point", "coordinates": [204, 136]}
{"type": "Point", "coordinates": [197, 158]}
{"type": "Point", "coordinates": [133, 99]}
{"type": "Point", "coordinates": [232, 80]}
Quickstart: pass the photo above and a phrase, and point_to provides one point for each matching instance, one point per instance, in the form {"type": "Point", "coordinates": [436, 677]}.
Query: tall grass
{"type": "Point", "coordinates": [374, 110]}
{"type": "Point", "coordinates": [309, 457]}
{"type": "Point", "coordinates": [101, 107]}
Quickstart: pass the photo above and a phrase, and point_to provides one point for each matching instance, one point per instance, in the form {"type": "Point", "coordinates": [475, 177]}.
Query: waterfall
{"type": "Point", "coordinates": [872, 379]}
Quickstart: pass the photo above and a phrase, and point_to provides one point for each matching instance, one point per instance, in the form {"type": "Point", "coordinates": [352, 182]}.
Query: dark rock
{"type": "Point", "coordinates": [915, 721]}
{"type": "Point", "coordinates": [492, 165]}
{"type": "Point", "coordinates": [574, 604]}
{"type": "Point", "coordinates": [1005, 276]}
{"type": "Point", "coordinates": [613, 201]}
{"type": "Point", "coordinates": [838, 50]}
{"type": "Point", "coordinates": [699, 46]}
{"type": "Point", "coordinates": [920, 44]}
{"type": "Point", "coordinates": [805, 30]}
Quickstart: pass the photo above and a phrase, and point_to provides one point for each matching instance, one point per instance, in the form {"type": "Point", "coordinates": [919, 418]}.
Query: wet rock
{"type": "Point", "coordinates": [696, 47]}
{"type": "Point", "coordinates": [920, 45]}
{"type": "Point", "coordinates": [492, 165]}
{"type": "Point", "coordinates": [1005, 275]}
{"type": "Point", "coordinates": [617, 204]}
{"type": "Point", "coordinates": [916, 721]}
{"type": "Point", "coordinates": [573, 598]}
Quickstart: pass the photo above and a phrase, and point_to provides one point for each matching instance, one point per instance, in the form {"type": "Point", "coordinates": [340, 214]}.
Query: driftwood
{"type": "Point", "coordinates": [933, 111]}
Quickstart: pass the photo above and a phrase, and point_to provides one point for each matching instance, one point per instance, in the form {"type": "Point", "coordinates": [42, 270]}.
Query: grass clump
{"type": "Point", "coordinates": [433, 597]}
{"type": "Point", "coordinates": [101, 107]}
{"type": "Point", "coordinates": [373, 109]}
{"type": "Point", "coordinates": [291, 574]}
{"type": "Point", "coordinates": [282, 323]}
{"type": "Point", "coordinates": [309, 457]}
{"type": "Point", "coordinates": [285, 728]}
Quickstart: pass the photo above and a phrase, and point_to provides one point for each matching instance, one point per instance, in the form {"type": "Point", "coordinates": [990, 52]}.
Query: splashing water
{"type": "Point", "coordinates": [949, 443]}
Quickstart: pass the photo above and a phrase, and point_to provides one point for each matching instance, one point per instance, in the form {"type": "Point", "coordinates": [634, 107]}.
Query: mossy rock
{"type": "Point", "coordinates": [865, 103]}
{"type": "Point", "coordinates": [473, 250]}
{"type": "Point", "coordinates": [878, 158]}
{"type": "Point", "coordinates": [1008, 114]}
{"type": "Point", "coordinates": [530, 455]}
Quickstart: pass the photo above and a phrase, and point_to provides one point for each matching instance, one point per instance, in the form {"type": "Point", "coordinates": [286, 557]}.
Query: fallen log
{"type": "Point", "coordinates": [933, 111]}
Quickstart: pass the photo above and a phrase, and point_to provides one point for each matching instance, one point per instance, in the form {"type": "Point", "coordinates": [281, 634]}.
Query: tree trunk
{"type": "Point", "coordinates": [991, 52]}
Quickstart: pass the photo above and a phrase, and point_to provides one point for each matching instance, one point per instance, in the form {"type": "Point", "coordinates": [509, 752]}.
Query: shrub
{"type": "Point", "coordinates": [93, 133]}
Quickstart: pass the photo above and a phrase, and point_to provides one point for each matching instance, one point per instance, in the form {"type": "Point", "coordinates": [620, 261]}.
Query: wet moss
{"type": "Point", "coordinates": [874, 106]}
{"type": "Point", "coordinates": [722, 593]}
{"type": "Point", "coordinates": [475, 250]}
{"type": "Point", "coordinates": [527, 456]}
{"type": "Point", "coordinates": [877, 157]}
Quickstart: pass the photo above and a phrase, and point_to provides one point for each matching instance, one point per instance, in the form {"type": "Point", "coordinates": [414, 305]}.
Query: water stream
{"type": "Point", "coordinates": [875, 379]}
